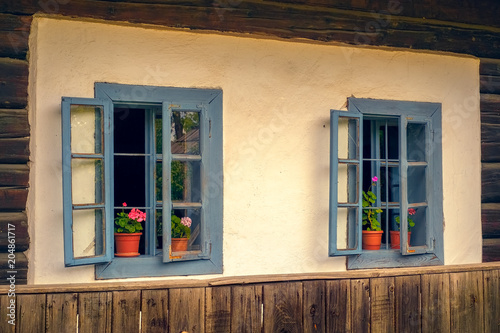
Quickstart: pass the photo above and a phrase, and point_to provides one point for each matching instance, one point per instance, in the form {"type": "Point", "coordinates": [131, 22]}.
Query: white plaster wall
{"type": "Point", "coordinates": [277, 101]}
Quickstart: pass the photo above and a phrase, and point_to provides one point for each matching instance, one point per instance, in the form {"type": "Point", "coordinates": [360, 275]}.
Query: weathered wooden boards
{"type": "Point", "coordinates": [465, 301]}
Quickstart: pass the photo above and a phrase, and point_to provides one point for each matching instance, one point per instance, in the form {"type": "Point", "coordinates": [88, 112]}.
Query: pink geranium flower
{"type": "Point", "coordinates": [136, 214]}
{"type": "Point", "coordinates": [186, 221]}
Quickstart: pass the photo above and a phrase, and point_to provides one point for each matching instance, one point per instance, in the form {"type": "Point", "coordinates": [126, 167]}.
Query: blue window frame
{"type": "Point", "coordinates": [115, 140]}
{"type": "Point", "coordinates": [398, 142]}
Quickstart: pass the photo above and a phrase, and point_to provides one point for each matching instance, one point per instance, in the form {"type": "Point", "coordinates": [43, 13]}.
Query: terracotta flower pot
{"type": "Point", "coordinates": [127, 245]}
{"type": "Point", "coordinates": [372, 239]}
{"type": "Point", "coordinates": [179, 244]}
{"type": "Point", "coordinates": [395, 239]}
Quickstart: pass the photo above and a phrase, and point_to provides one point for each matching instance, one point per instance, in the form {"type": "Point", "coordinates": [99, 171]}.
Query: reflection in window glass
{"type": "Point", "coordinates": [416, 142]}
{"type": "Point", "coordinates": [186, 181]}
{"type": "Point", "coordinates": [195, 240]}
{"type": "Point", "coordinates": [185, 132]}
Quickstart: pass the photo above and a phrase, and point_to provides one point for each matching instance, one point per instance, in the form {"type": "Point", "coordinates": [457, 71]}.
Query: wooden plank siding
{"type": "Point", "coordinates": [448, 299]}
{"type": "Point", "coordinates": [469, 27]}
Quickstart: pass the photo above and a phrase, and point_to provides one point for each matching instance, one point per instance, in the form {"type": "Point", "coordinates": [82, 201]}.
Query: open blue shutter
{"type": "Point", "coordinates": [346, 153]}
{"type": "Point", "coordinates": [86, 157]}
{"type": "Point", "coordinates": [193, 155]}
{"type": "Point", "coordinates": [417, 184]}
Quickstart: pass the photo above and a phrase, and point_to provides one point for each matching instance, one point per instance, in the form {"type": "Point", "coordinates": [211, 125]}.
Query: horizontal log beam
{"type": "Point", "coordinates": [13, 83]}
{"type": "Point", "coordinates": [490, 152]}
{"type": "Point", "coordinates": [489, 84]}
{"type": "Point", "coordinates": [13, 199]}
{"type": "Point", "coordinates": [484, 12]}
{"type": "Point", "coordinates": [19, 267]}
{"type": "Point", "coordinates": [14, 150]}
{"type": "Point", "coordinates": [14, 175]}
{"type": "Point", "coordinates": [21, 260]}
{"type": "Point", "coordinates": [491, 249]}
{"type": "Point", "coordinates": [490, 132]}
{"type": "Point", "coordinates": [14, 123]}
{"type": "Point", "coordinates": [384, 27]}
{"type": "Point", "coordinates": [16, 223]}
{"type": "Point", "coordinates": [490, 103]}
{"type": "Point", "coordinates": [14, 35]}
{"type": "Point", "coordinates": [489, 67]}
{"type": "Point", "coordinates": [490, 176]}
{"type": "Point", "coordinates": [490, 217]}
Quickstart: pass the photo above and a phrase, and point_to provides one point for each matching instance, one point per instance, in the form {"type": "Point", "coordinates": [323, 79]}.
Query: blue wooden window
{"type": "Point", "coordinates": [399, 143]}
{"type": "Point", "coordinates": [163, 155]}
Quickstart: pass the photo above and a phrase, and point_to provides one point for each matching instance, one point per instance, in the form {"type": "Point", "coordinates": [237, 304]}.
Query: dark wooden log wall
{"type": "Point", "coordinates": [462, 298]}
{"type": "Point", "coordinates": [463, 26]}
{"type": "Point", "coordinates": [14, 142]}
{"type": "Point", "coordinates": [490, 153]}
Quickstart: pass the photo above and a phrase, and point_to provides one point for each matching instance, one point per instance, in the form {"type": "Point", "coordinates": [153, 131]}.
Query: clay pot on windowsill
{"type": "Point", "coordinates": [179, 244]}
{"type": "Point", "coordinates": [372, 239]}
{"type": "Point", "coordinates": [395, 239]}
{"type": "Point", "coordinates": [127, 245]}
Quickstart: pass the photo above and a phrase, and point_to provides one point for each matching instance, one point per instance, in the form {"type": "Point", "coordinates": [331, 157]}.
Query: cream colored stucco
{"type": "Point", "coordinates": [277, 101]}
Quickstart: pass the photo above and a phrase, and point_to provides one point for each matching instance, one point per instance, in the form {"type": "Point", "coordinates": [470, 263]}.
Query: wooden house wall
{"type": "Point", "coordinates": [443, 299]}
{"type": "Point", "coordinates": [469, 27]}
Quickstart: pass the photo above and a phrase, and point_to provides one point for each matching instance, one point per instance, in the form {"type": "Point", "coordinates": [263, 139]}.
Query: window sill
{"type": "Point", "coordinates": [151, 266]}
{"type": "Point", "coordinates": [390, 259]}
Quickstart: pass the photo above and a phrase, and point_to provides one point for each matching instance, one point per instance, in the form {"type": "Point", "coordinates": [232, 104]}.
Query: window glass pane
{"type": "Point", "coordinates": [159, 181]}
{"type": "Point", "coordinates": [384, 221]}
{"type": "Point", "coordinates": [389, 183]}
{"type": "Point", "coordinates": [129, 131]}
{"type": "Point", "coordinates": [348, 137]}
{"type": "Point", "coordinates": [417, 184]}
{"type": "Point", "coordinates": [158, 134]}
{"type": "Point", "coordinates": [159, 228]}
{"type": "Point", "coordinates": [88, 230]}
{"type": "Point", "coordinates": [129, 182]}
{"type": "Point", "coordinates": [86, 129]}
{"type": "Point", "coordinates": [186, 181]}
{"type": "Point", "coordinates": [87, 180]}
{"type": "Point", "coordinates": [347, 221]}
{"type": "Point", "coordinates": [415, 142]}
{"type": "Point", "coordinates": [348, 176]}
{"type": "Point", "coordinates": [195, 225]}
{"type": "Point", "coordinates": [419, 231]}
{"type": "Point", "coordinates": [389, 139]}
{"type": "Point", "coordinates": [185, 132]}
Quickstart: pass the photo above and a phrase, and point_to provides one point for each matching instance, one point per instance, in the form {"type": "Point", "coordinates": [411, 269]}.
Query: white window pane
{"type": "Point", "coordinates": [86, 242]}
{"type": "Point", "coordinates": [86, 129]}
{"type": "Point", "coordinates": [348, 135]}
{"type": "Point", "coordinates": [348, 174]}
{"type": "Point", "coordinates": [87, 181]}
{"type": "Point", "coordinates": [347, 236]}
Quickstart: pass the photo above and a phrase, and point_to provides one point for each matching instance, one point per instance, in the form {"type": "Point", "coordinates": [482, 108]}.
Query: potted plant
{"type": "Point", "coordinates": [181, 232]}
{"type": "Point", "coordinates": [395, 237]}
{"type": "Point", "coordinates": [372, 235]}
{"type": "Point", "coordinates": [127, 232]}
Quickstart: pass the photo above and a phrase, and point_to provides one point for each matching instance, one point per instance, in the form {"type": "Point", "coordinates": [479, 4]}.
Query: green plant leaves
{"type": "Point", "coordinates": [124, 224]}
{"type": "Point", "coordinates": [179, 230]}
